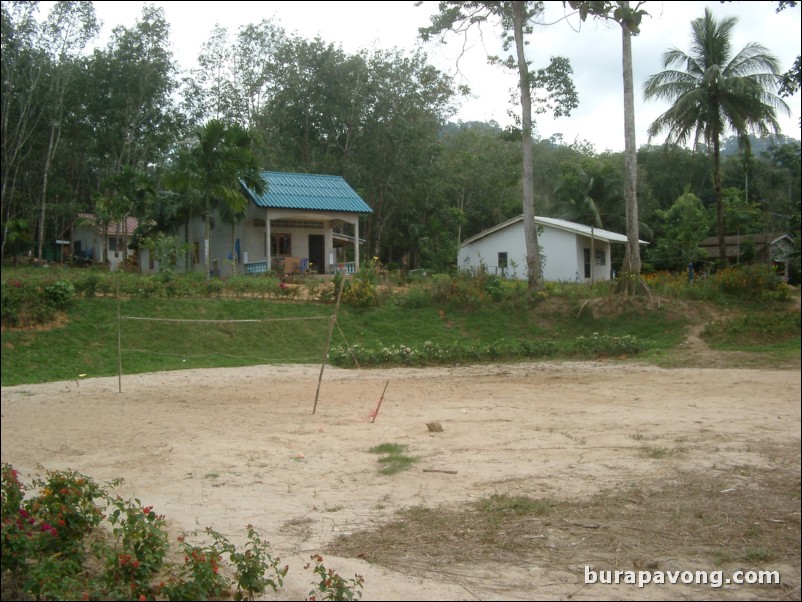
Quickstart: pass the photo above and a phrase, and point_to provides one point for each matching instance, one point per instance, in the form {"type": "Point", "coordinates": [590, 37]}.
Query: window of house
{"type": "Point", "coordinates": [280, 245]}
{"type": "Point", "coordinates": [601, 258]}
{"type": "Point", "coordinates": [293, 223]}
{"type": "Point", "coordinates": [502, 260]}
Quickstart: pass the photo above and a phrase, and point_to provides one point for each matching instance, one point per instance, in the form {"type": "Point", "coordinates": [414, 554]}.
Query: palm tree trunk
{"type": "Point", "coordinates": [187, 250]}
{"type": "Point", "coordinates": [234, 248]}
{"type": "Point", "coordinates": [632, 261]}
{"type": "Point", "coordinates": [722, 247]}
{"type": "Point", "coordinates": [206, 246]}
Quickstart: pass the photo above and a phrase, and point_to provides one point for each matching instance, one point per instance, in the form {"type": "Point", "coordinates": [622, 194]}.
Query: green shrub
{"type": "Point", "coordinates": [50, 524]}
{"type": "Point", "coordinates": [331, 586]}
{"type": "Point", "coordinates": [88, 285]}
{"type": "Point", "coordinates": [256, 567]}
{"type": "Point", "coordinates": [754, 329]}
{"type": "Point", "coordinates": [414, 297]}
{"type": "Point", "coordinates": [440, 286]}
{"type": "Point", "coordinates": [24, 303]}
{"type": "Point", "coordinates": [751, 282]}
{"type": "Point", "coordinates": [434, 353]}
{"type": "Point", "coordinates": [60, 294]}
{"type": "Point", "coordinates": [199, 577]}
{"type": "Point", "coordinates": [360, 293]}
{"type": "Point", "coordinates": [602, 344]}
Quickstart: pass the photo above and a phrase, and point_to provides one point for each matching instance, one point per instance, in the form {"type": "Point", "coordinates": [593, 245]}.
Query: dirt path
{"type": "Point", "coordinates": [230, 447]}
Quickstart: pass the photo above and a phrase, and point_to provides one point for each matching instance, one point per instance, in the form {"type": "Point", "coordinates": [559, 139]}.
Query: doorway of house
{"type": "Point", "coordinates": [317, 253]}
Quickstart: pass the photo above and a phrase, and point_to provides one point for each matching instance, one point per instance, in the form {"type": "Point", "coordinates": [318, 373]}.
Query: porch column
{"type": "Point", "coordinates": [356, 244]}
{"type": "Point", "coordinates": [269, 247]}
{"type": "Point", "coordinates": [329, 261]}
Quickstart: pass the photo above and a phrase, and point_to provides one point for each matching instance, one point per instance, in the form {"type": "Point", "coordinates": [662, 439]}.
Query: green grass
{"type": "Point", "coordinates": [762, 329]}
{"type": "Point", "coordinates": [86, 343]}
{"type": "Point", "coordinates": [394, 459]}
{"type": "Point", "coordinates": [84, 340]}
{"type": "Point", "coordinates": [387, 448]}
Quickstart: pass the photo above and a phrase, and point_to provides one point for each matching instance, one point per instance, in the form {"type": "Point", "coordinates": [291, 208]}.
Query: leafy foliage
{"type": "Point", "coordinates": [53, 548]}
{"type": "Point", "coordinates": [718, 90]}
{"type": "Point", "coordinates": [331, 586]}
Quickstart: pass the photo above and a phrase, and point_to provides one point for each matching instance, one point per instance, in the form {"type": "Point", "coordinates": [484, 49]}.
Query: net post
{"type": "Point", "coordinates": [332, 321]}
{"type": "Point", "coordinates": [119, 339]}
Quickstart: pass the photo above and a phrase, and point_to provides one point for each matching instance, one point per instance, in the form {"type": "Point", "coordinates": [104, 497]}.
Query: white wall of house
{"type": "Point", "coordinates": [484, 253]}
{"type": "Point", "coordinates": [91, 240]}
{"type": "Point", "coordinates": [563, 254]}
{"type": "Point", "coordinates": [146, 264]}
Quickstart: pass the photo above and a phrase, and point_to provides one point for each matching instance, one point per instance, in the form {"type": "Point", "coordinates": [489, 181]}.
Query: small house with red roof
{"type": "Point", "coordinates": [107, 242]}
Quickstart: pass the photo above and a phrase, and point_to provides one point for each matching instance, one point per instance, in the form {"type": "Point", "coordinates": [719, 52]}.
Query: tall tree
{"type": "Point", "coordinates": [126, 194]}
{"type": "Point", "coordinates": [629, 19]}
{"type": "Point", "coordinates": [237, 77]}
{"type": "Point", "coordinates": [682, 228]}
{"type": "Point", "coordinates": [39, 63]}
{"type": "Point", "coordinates": [129, 107]}
{"type": "Point", "coordinates": [406, 102]}
{"type": "Point", "coordinates": [632, 263]}
{"type": "Point", "coordinates": [480, 176]}
{"type": "Point", "coordinates": [715, 92]}
{"type": "Point", "coordinates": [515, 19]}
{"type": "Point", "coordinates": [215, 168]}
{"type": "Point", "coordinates": [24, 80]}
{"type": "Point", "coordinates": [211, 91]}
{"type": "Point", "coordinates": [791, 79]}
{"type": "Point", "coordinates": [68, 29]}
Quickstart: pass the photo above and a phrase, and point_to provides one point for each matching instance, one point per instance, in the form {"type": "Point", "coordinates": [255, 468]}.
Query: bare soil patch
{"type": "Point", "coordinates": [634, 467]}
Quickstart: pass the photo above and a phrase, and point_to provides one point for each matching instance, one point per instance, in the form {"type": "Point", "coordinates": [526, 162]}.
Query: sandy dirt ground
{"type": "Point", "coordinates": [230, 447]}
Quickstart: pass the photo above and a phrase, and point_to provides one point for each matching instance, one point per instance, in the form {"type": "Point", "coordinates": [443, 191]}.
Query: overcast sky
{"type": "Point", "coordinates": [593, 48]}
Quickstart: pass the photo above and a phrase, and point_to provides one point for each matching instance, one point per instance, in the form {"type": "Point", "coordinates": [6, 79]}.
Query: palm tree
{"type": "Point", "coordinates": [586, 211]}
{"type": "Point", "coordinates": [132, 192]}
{"type": "Point", "coordinates": [716, 92]}
{"type": "Point", "coordinates": [215, 169]}
{"type": "Point", "coordinates": [517, 20]}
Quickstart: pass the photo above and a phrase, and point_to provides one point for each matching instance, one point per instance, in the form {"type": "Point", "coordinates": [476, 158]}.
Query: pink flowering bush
{"type": "Point", "coordinates": [66, 538]}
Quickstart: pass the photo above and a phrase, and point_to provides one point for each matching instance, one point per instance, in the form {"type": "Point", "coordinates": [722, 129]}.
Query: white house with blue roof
{"type": "Point", "coordinates": [303, 223]}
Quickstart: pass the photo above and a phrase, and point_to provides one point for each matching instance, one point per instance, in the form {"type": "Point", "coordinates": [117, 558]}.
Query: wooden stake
{"type": "Point", "coordinates": [332, 321]}
{"type": "Point", "coordinates": [119, 337]}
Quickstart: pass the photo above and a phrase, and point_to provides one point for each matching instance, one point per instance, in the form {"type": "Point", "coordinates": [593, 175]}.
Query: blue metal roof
{"type": "Point", "coordinates": [313, 192]}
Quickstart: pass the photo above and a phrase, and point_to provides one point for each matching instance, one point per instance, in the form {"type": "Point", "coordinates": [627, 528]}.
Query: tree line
{"type": "Point", "coordinates": [119, 130]}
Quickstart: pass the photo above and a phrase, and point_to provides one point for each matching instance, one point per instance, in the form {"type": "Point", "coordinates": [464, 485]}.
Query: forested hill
{"type": "Point", "coordinates": [759, 146]}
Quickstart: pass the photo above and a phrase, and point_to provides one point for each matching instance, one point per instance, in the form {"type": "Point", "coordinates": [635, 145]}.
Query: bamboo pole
{"type": "Point", "coordinates": [119, 339]}
{"type": "Point", "coordinates": [332, 321]}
